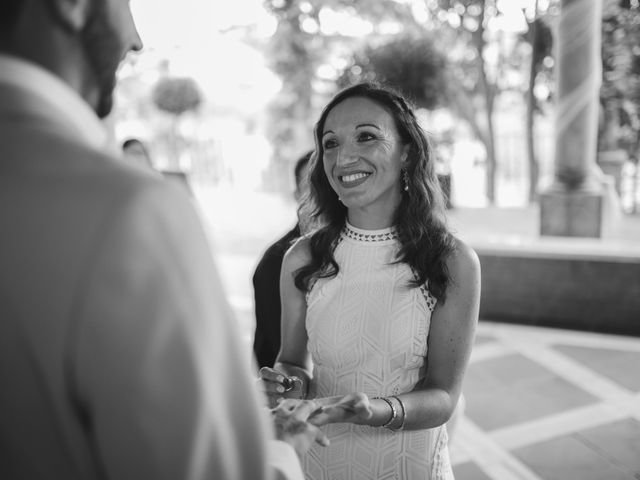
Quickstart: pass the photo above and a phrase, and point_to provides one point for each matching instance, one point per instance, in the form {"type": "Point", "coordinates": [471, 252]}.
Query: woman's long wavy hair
{"type": "Point", "coordinates": [425, 241]}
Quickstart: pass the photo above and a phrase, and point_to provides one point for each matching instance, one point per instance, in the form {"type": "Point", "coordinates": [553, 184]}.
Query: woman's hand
{"type": "Point", "coordinates": [278, 385]}
{"type": "Point", "coordinates": [352, 408]}
{"type": "Point", "coordinates": [291, 420]}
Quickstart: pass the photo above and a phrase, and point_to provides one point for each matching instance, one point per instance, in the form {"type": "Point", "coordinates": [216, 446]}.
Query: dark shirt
{"type": "Point", "coordinates": [266, 289]}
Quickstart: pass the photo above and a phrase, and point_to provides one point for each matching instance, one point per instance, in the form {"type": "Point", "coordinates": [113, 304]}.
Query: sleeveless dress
{"type": "Point", "coordinates": [367, 333]}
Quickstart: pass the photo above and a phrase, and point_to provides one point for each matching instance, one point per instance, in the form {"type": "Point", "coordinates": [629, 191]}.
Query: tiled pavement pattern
{"type": "Point", "coordinates": [547, 404]}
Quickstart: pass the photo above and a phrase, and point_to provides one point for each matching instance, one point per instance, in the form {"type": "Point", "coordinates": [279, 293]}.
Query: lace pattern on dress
{"type": "Point", "coordinates": [430, 299]}
{"type": "Point", "coordinates": [441, 467]}
{"type": "Point", "coordinates": [388, 234]}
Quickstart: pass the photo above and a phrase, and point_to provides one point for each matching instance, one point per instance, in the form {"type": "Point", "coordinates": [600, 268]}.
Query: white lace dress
{"type": "Point", "coordinates": [368, 333]}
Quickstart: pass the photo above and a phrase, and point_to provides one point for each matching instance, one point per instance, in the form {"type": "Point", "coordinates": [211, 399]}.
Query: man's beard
{"type": "Point", "coordinates": [103, 51]}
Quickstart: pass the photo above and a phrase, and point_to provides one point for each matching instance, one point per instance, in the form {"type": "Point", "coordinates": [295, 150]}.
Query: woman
{"type": "Point", "coordinates": [380, 300]}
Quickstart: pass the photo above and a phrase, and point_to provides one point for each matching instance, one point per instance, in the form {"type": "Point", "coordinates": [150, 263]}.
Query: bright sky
{"type": "Point", "coordinates": [164, 23]}
{"type": "Point", "coordinates": [188, 32]}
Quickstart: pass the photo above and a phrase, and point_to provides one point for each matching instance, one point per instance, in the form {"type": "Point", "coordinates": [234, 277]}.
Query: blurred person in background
{"type": "Point", "coordinates": [380, 299]}
{"type": "Point", "coordinates": [136, 152]}
{"type": "Point", "coordinates": [116, 361]}
{"type": "Point", "coordinates": [266, 283]}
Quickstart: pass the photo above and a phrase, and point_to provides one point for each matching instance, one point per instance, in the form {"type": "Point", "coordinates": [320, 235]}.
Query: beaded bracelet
{"type": "Point", "coordinates": [394, 412]}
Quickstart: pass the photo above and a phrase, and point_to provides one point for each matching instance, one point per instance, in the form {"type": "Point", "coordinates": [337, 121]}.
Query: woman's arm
{"type": "Point", "coordinates": [293, 358]}
{"type": "Point", "coordinates": [451, 335]}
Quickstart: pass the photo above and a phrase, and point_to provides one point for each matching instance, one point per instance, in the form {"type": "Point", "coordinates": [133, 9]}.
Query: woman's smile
{"type": "Point", "coordinates": [353, 179]}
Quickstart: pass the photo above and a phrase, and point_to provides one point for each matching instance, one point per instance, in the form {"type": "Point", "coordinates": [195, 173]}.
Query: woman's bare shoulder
{"type": "Point", "coordinates": [463, 260]}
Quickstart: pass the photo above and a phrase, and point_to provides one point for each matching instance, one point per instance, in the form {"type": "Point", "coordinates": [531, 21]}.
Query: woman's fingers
{"type": "Point", "coordinates": [354, 408]}
{"type": "Point", "coordinates": [292, 419]}
{"type": "Point", "coordinates": [296, 408]}
{"type": "Point", "coordinates": [321, 438]}
{"type": "Point", "coordinates": [276, 382]}
{"type": "Point", "coordinates": [272, 378]}
{"type": "Point", "coordinates": [269, 374]}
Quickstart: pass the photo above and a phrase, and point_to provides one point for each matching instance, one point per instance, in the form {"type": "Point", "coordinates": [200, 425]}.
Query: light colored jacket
{"type": "Point", "coordinates": [119, 357]}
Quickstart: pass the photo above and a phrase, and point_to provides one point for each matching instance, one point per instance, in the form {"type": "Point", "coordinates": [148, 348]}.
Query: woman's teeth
{"type": "Point", "coordinates": [353, 177]}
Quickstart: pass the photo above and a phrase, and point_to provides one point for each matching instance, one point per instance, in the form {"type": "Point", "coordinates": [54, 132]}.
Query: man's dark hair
{"type": "Point", "coordinates": [9, 14]}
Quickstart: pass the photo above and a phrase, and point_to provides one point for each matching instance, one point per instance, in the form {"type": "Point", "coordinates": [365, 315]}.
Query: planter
{"type": "Point", "coordinates": [612, 163]}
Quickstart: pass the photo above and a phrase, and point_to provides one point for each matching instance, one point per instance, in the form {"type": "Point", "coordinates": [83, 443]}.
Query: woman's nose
{"type": "Point", "coordinates": [346, 156]}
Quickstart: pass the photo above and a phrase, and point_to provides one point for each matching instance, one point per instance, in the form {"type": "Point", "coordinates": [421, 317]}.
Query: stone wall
{"type": "Point", "coordinates": [591, 292]}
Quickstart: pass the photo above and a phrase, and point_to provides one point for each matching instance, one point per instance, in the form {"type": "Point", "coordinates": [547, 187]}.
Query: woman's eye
{"type": "Point", "coordinates": [365, 136]}
{"type": "Point", "coordinates": [329, 144]}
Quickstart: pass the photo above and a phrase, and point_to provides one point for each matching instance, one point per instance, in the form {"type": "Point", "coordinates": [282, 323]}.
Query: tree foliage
{"type": "Point", "coordinates": [474, 81]}
{"type": "Point", "coordinates": [176, 95]}
{"type": "Point", "coordinates": [410, 63]}
{"type": "Point", "coordinates": [620, 90]}
{"type": "Point", "coordinates": [539, 38]}
{"type": "Point", "coordinates": [296, 51]}
{"type": "Point", "coordinates": [479, 63]}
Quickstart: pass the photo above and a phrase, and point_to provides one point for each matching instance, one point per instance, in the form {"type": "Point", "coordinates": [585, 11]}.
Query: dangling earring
{"type": "Point", "coordinates": [405, 180]}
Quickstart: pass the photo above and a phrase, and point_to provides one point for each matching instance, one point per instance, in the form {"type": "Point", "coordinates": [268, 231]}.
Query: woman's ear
{"type": "Point", "coordinates": [405, 155]}
{"type": "Point", "coordinates": [73, 14]}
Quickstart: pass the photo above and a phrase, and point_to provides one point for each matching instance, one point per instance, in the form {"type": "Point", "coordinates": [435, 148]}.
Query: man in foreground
{"type": "Point", "coordinates": [116, 360]}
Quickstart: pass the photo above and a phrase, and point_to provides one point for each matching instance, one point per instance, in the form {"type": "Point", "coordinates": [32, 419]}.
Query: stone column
{"type": "Point", "coordinates": [573, 204]}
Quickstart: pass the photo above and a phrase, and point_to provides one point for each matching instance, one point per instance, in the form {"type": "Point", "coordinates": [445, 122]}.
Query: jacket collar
{"type": "Point", "coordinates": [29, 92]}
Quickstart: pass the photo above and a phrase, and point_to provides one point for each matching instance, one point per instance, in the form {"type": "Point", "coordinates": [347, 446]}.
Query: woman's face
{"type": "Point", "coordinates": [363, 156]}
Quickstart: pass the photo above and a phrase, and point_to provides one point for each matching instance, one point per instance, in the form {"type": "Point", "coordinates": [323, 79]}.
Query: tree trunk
{"type": "Point", "coordinates": [463, 104]}
{"type": "Point", "coordinates": [532, 161]}
{"type": "Point", "coordinates": [491, 163]}
{"type": "Point", "coordinates": [488, 94]}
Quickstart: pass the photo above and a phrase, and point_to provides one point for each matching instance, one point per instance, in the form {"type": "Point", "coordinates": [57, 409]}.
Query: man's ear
{"type": "Point", "coordinates": [73, 14]}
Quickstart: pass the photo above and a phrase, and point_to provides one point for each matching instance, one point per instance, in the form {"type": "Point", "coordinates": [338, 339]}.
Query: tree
{"type": "Point", "coordinates": [540, 39]}
{"type": "Point", "coordinates": [619, 132]}
{"type": "Point", "coordinates": [472, 80]}
{"type": "Point", "coordinates": [411, 63]}
{"type": "Point", "coordinates": [176, 96]}
{"type": "Point", "coordinates": [302, 46]}
{"type": "Point", "coordinates": [620, 90]}
{"type": "Point", "coordinates": [292, 57]}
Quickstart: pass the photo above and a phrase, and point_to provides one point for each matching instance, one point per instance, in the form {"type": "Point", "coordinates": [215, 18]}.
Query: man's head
{"type": "Point", "coordinates": [82, 41]}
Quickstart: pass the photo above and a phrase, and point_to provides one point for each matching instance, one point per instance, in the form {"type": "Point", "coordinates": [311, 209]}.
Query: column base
{"type": "Point", "coordinates": [571, 213]}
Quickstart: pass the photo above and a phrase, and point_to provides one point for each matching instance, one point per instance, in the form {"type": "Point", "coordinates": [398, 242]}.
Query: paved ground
{"type": "Point", "coordinates": [541, 404]}
{"type": "Point", "coordinates": [546, 404]}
